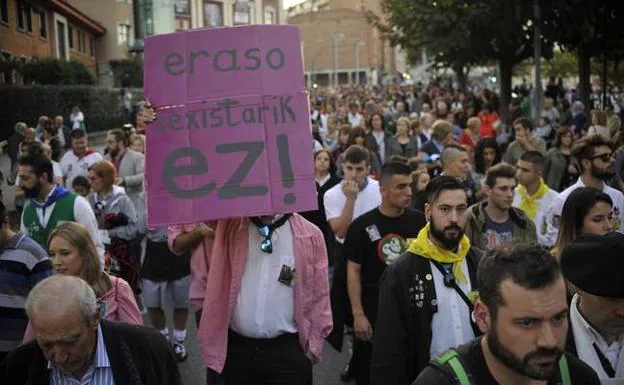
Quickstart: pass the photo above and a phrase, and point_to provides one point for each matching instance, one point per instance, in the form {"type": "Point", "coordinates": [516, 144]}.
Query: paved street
{"type": "Point", "coordinates": [193, 373]}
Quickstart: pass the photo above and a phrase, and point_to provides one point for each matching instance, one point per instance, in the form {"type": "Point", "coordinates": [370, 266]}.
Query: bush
{"type": "Point", "coordinates": [101, 106]}
{"type": "Point", "coordinates": [55, 71]}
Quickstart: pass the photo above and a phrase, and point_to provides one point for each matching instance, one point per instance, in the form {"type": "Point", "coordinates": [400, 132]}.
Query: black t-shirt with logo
{"type": "Point", "coordinates": [375, 241]}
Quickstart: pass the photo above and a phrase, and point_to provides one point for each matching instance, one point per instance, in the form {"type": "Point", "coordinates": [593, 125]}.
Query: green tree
{"type": "Point", "coordinates": [592, 29]}
{"type": "Point", "coordinates": [464, 32]}
{"type": "Point", "coordinates": [55, 71]}
{"type": "Point", "coordinates": [437, 26]}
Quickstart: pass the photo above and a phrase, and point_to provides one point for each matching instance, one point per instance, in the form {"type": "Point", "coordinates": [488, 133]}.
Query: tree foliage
{"type": "Point", "coordinates": [55, 71]}
{"type": "Point", "coordinates": [128, 72]}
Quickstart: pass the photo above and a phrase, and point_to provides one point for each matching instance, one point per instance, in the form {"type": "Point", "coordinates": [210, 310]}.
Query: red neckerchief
{"type": "Point", "coordinates": [118, 159]}
{"type": "Point", "coordinates": [87, 153]}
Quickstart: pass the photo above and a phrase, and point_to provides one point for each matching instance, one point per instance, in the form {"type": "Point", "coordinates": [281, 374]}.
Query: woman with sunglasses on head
{"type": "Point", "coordinates": [117, 220]}
{"type": "Point", "coordinates": [72, 252]}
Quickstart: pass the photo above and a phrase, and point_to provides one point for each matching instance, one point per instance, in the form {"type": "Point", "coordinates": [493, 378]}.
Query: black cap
{"type": "Point", "coordinates": [595, 264]}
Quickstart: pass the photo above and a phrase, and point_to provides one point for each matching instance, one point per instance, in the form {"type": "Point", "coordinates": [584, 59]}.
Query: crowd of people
{"type": "Point", "coordinates": [451, 245]}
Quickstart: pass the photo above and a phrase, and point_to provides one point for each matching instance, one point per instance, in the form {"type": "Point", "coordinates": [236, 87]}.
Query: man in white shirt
{"type": "Point", "coordinates": [356, 195]}
{"type": "Point", "coordinates": [596, 332]}
{"type": "Point", "coordinates": [532, 195]}
{"type": "Point", "coordinates": [355, 119]}
{"type": "Point", "coordinates": [78, 161]}
{"type": "Point", "coordinates": [596, 160]}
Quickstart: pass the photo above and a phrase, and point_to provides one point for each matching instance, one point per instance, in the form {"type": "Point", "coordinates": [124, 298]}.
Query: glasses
{"type": "Point", "coordinates": [603, 157]}
{"type": "Point", "coordinates": [266, 245]}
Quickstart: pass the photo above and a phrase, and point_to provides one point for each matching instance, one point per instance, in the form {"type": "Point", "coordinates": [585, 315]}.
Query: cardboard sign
{"type": "Point", "coordinates": [232, 135]}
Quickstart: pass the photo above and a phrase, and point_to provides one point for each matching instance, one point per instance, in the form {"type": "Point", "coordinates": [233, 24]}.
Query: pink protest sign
{"type": "Point", "coordinates": [232, 134]}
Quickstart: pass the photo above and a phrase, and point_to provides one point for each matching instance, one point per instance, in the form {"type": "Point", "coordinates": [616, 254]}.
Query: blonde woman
{"type": "Point", "coordinates": [72, 252]}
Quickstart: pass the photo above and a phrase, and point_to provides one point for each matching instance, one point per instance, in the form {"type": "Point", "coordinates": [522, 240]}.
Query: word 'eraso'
{"type": "Point", "coordinates": [226, 113]}
{"type": "Point", "coordinates": [226, 60]}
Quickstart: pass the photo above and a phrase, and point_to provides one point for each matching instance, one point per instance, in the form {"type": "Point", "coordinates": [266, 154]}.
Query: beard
{"type": "Point", "coordinates": [524, 365]}
{"type": "Point", "coordinates": [603, 174]}
{"type": "Point", "coordinates": [32, 192]}
{"type": "Point", "coordinates": [450, 243]}
{"type": "Point", "coordinates": [113, 152]}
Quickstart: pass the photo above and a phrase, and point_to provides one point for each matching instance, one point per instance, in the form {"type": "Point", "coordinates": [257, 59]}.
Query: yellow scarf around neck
{"type": "Point", "coordinates": [424, 247]}
{"type": "Point", "coordinates": [528, 203]}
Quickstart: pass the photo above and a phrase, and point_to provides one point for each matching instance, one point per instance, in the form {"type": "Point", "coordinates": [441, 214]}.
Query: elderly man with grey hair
{"type": "Point", "coordinates": [74, 345]}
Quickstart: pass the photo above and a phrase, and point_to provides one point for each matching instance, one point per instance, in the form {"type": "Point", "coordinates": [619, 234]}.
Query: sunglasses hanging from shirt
{"type": "Point", "coordinates": [267, 231]}
{"type": "Point", "coordinates": [449, 281]}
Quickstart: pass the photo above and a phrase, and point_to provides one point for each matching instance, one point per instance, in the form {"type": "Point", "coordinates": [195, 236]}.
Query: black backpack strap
{"type": "Point", "coordinates": [451, 363]}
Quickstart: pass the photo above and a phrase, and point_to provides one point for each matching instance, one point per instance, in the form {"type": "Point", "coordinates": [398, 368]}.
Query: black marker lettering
{"type": "Point", "coordinates": [233, 62]}
{"type": "Point", "coordinates": [194, 55]}
{"type": "Point", "coordinates": [227, 103]}
{"type": "Point", "coordinates": [232, 188]}
{"type": "Point", "coordinates": [198, 166]}
{"type": "Point", "coordinates": [248, 56]}
{"type": "Point", "coordinates": [280, 56]}
{"type": "Point", "coordinates": [216, 118]}
{"type": "Point", "coordinates": [274, 110]}
{"type": "Point", "coordinates": [285, 108]}
{"type": "Point", "coordinates": [173, 60]}
{"type": "Point", "coordinates": [190, 120]}
{"type": "Point", "coordinates": [249, 115]}
{"type": "Point", "coordinates": [173, 120]}
{"type": "Point", "coordinates": [261, 110]}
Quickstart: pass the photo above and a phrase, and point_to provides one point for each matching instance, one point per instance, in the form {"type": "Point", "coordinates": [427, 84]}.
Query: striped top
{"type": "Point", "coordinates": [100, 372]}
{"type": "Point", "coordinates": [23, 263]}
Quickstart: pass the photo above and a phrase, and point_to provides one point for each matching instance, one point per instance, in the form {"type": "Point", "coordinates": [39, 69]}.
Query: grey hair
{"type": "Point", "coordinates": [62, 289]}
{"type": "Point", "coordinates": [450, 153]}
{"type": "Point", "coordinates": [20, 127]}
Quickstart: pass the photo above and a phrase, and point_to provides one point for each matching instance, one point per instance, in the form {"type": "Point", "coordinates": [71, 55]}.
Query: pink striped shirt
{"type": "Point", "coordinates": [219, 285]}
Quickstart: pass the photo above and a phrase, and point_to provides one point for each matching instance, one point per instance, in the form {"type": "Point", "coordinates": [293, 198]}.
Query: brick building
{"type": "Point", "coordinates": [45, 28]}
{"type": "Point", "coordinates": [339, 43]}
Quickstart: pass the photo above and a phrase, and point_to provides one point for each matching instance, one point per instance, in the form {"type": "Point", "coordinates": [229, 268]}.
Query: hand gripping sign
{"type": "Point", "coordinates": [232, 137]}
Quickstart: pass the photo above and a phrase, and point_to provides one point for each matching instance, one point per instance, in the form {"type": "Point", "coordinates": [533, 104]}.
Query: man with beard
{"type": "Point", "coordinates": [374, 241]}
{"type": "Point", "coordinates": [523, 314]}
{"type": "Point", "coordinates": [130, 165]}
{"type": "Point", "coordinates": [597, 310]}
{"type": "Point", "coordinates": [494, 221]}
{"type": "Point", "coordinates": [424, 305]}
{"type": "Point", "coordinates": [595, 157]}
{"type": "Point", "coordinates": [78, 161]}
{"type": "Point", "coordinates": [50, 204]}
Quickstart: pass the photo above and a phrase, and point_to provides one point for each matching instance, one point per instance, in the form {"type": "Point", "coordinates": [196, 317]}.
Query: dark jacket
{"type": "Point", "coordinates": [403, 329]}
{"type": "Point", "coordinates": [523, 227]}
{"type": "Point", "coordinates": [138, 355]}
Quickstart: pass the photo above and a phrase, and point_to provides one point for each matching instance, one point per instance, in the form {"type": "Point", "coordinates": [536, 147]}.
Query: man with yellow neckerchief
{"type": "Point", "coordinates": [533, 196]}
{"type": "Point", "coordinates": [424, 296]}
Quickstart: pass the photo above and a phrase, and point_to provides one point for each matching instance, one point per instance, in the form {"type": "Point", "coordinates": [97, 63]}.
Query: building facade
{"type": "Point", "coordinates": [340, 46]}
{"type": "Point", "coordinates": [219, 13]}
{"type": "Point", "coordinates": [117, 17]}
{"type": "Point", "coordinates": [45, 29]}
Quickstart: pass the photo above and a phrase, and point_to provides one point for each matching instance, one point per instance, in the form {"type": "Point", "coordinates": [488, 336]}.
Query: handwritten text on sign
{"type": "Point", "coordinates": [235, 138]}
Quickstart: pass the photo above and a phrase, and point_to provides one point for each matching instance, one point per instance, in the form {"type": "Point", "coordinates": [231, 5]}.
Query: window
{"type": "Point", "coordinates": [70, 36]}
{"type": "Point", "coordinates": [6, 77]}
{"type": "Point", "coordinates": [4, 11]}
{"type": "Point", "coordinates": [60, 40]}
{"type": "Point", "coordinates": [213, 14]}
{"type": "Point", "coordinates": [182, 24]}
{"type": "Point", "coordinates": [24, 16]}
{"type": "Point", "coordinates": [241, 12]}
{"type": "Point", "coordinates": [123, 34]}
{"type": "Point", "coordinates": [147, 13]}
{"type": "Point", "coordinates": [80, 40]}
{"type": "Point", "coordinates": [182, 7]}
{"type": "Point", "coordinates": [92, 47]}
{"type": "Point", "coordinates": [43, 25]}
{"type": "Point", "coordinates": [269, 15]}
